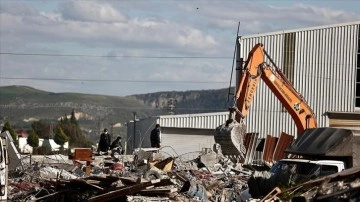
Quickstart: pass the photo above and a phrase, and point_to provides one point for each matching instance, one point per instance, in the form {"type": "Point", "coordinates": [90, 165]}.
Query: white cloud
{"type": "Point", "coordinates": [17, 8]}
{"type": "Point", "coordinates": [310, 15]}
{"type": "Point", "coordinates": [50, 27]}
{"type": "Point", "coordinates": [135, 28]}
{"type": "Point", "coordinates": [91, 11]}
{"type": "Point", "coordinates": [262, 16]}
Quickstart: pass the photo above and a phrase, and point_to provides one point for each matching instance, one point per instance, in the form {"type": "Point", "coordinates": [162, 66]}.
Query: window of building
{"type": "Point", "coordinates": [289, 55]}
{"type": "Point", "coordinates": [289, 58]}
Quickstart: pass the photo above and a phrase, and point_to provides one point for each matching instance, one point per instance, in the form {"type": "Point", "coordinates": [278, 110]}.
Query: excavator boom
{"type": "Point", "coordinates": [293, 101]}
{"type": "Point", "coordinates": [248, 82]}
{"type": "Point", "coordinates": [230, 135]}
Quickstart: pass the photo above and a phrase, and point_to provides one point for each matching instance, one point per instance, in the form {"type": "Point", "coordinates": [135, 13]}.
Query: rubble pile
{"type": "Point", "coordinates": [147, 175]}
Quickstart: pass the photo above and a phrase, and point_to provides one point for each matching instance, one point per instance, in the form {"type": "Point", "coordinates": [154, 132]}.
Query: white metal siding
{"type": "Point", "coordinates": [190, 144]}
{"type": "Point", "coordinates": [324, 73]}
{"type": "Point", "coordinates": [198, 121]}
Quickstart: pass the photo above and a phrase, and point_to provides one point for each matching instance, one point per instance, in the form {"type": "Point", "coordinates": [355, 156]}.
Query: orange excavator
{"type": "Point", "coordinates": [230, 135]}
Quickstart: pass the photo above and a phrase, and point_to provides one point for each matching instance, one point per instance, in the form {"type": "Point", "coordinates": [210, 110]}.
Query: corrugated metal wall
{"type": "Point", "coordinates": [199, 121]}
{"type": "Point", "coordinates": [172, 126]}
{"type": "Point", "coordinates": [321, 63]}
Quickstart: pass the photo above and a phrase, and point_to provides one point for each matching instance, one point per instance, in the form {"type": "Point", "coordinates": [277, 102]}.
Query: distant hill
{"type": "Point", "coordinates": [21, 105]}
{"type": "Point", "coordinates": [186, 102]}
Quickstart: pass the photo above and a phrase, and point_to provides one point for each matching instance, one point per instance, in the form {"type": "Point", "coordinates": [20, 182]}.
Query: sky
{"type": "Point", "coordinates": [127, 47]}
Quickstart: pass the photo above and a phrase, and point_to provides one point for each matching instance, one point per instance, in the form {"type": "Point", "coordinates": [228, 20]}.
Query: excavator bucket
{"type": "Point", "coordinates": [230, 136]}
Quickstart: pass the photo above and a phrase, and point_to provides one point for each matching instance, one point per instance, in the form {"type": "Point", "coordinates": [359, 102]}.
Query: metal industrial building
{"type": "Point", "coordinates": [323, 63]}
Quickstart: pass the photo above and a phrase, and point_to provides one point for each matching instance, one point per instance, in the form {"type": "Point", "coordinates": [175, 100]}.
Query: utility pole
{"type": "Point", "coordinates": [133, 146]}
{"type": "Point", "coordinates": [171, 105]}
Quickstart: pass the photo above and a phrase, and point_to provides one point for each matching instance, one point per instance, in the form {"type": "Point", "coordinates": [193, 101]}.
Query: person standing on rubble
{"type": "Point", "coordinates": [155, 136]}
{"type": "Point", "coordinates": [105, 141]}
{"type": "Point", "coordinates": [116, 146]}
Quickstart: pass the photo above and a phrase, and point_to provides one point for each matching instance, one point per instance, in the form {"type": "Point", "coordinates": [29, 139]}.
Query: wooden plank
{"type": "Point", "coordinates": [82, 154]}
{"type": "Point", "coordinates": [180, 177]}
{"type": "Point", "coordinates": [129, 190]}
{"type": "Point", "coordinates": [52, 194]}
{"type": "Point", "coordinates": [103, 179]}
{"type": "Point", "coordinates": [111, 189]}
{"type": "Point", "coordinates": [157, 191]}
{"type": "Point", "coordinates": [271, 195]}
{"type": "Point", "coordinates": [164, 182]}
{"type": "Point", "coordinates": [82, 183]}
{"type": "Point", "coordinates": [129, 180]}
{"type": "Point", "coordinates": [122, 192]}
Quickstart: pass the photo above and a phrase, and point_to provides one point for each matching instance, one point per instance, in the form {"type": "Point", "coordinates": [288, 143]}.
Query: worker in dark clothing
{"type": "Point", "coordinates": [108, 138]}
{"type": "Point", "coordinates": [155, 136]}
{"type": "Point", "coordinates": [105, 140]}
{"type": "Point", "coordinates": [116, 146]}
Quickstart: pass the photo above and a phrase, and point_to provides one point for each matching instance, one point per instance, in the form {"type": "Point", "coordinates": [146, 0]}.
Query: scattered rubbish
{"type": "Point", "coordinates": [148, 175]}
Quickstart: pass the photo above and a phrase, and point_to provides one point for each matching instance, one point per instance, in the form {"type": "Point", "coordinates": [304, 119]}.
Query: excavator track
{"type": "Point", "coordinates": [231, 138]}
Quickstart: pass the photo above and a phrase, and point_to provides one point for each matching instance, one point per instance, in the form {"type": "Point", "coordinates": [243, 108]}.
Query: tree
{"type": "Point", "coordinates": [73, 131]}
{"type": "Point", "coordinates": [60, 137]}
{"type": "Point", "coordinates": [41, 128]}
{"type": "Point", "coordinates": [33, 138]}
{"type": "Point", "coordinates": [65, 119]}
{"type": "Point", "coordinates": [7, 127]}
{"type": "Point", "coordinates": [73, 118]}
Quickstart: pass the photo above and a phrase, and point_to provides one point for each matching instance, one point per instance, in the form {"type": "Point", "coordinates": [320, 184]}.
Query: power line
{"type": "Point", "coordinates": [105, 80]}
{"type": "Point", "coordinates": [114, 56]}
{"type": "Point", "coordinates": [39, 106]}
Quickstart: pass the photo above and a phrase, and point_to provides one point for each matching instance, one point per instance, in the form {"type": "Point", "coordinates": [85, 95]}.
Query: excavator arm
{"type": "Point", "coordinates": [248, 82]}
{"type": "Point", "coordinates": [293, 101]}
{"type": "Point", "coordinates": [230, 135]}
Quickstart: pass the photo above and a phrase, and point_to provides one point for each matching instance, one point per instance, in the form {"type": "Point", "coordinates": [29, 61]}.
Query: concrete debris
{"type": "Point", "coordinates": [148, 175]}
{"type": "Point", "coordinates": [53, 173]}
{"type": "Point", "coordinates": [198, 192]}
